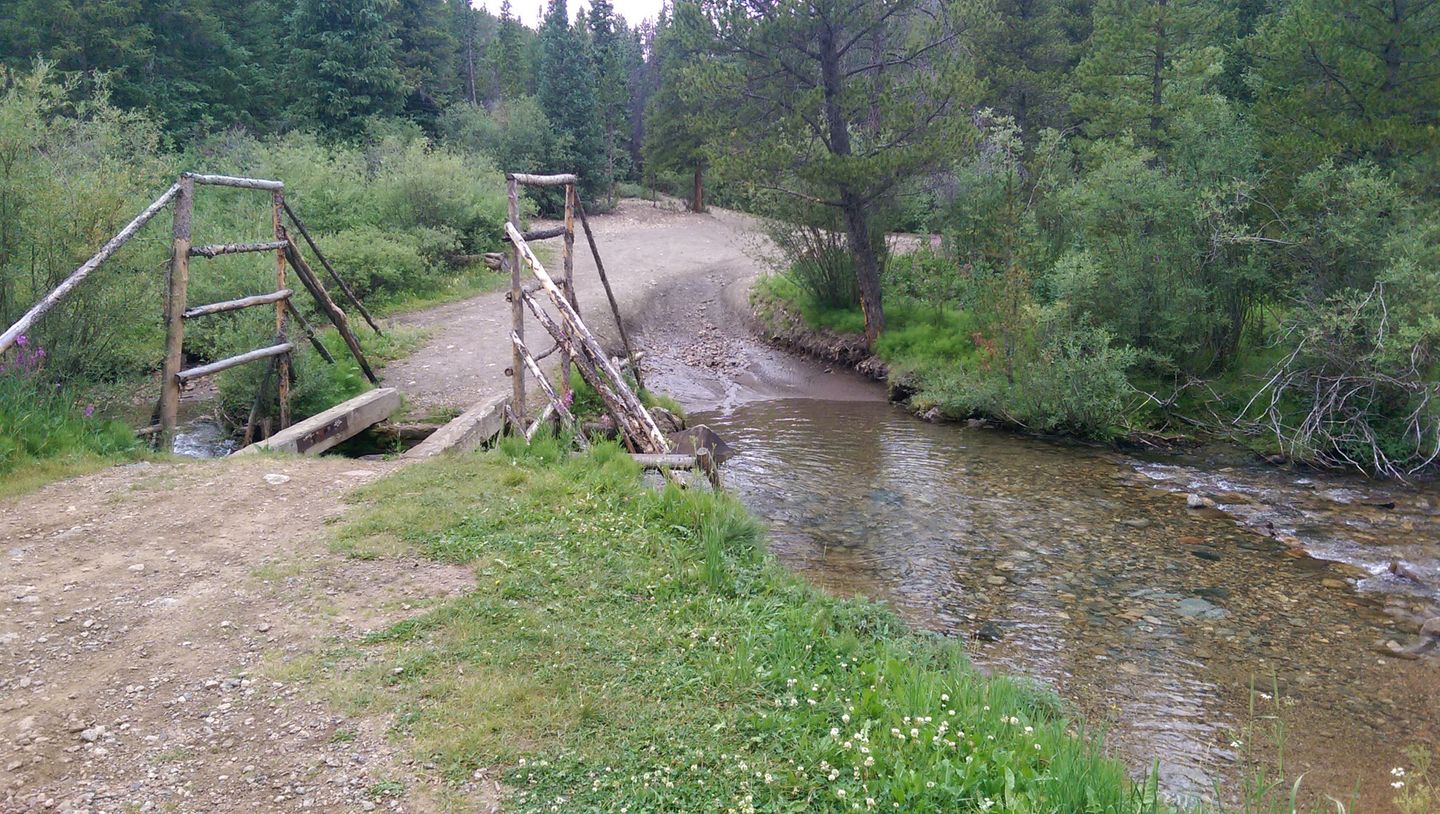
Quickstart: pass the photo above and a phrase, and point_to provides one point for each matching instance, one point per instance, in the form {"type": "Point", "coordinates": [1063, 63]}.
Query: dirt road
{"type": "Point", "coordinates": [156, 620]}
{"type": "Point", "coordinates": [152, 616]}
{"type": "Point", "coordinates": [682, 282]}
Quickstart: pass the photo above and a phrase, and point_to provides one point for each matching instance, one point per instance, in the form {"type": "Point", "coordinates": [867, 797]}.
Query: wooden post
{"type": "Point", "coordinates": [567, 256]}
{"type": "Point", "coordinates": [177, 282]}
{"type": "Point", "coordinates": [610, 295]}
{"type": "Point", "coordinates": [332, 311]}
{"type": "Point", "coordinates": [282, 364]}
{"type": "Point", "coordinates": [517, 308]}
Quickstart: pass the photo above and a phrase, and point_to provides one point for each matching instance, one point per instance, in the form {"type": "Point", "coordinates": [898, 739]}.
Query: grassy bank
{"type": "Point", "coordinates": [627, 649]}
{"type": "Point", "coordinates": [942, 359]}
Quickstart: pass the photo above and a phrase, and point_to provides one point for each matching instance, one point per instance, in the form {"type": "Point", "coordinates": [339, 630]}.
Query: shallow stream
{"type": "Point", "coordinates": [1084, 569]}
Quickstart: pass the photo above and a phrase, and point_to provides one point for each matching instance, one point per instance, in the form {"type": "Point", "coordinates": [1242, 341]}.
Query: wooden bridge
{"type": "Point", "coordinates": [530, 282]}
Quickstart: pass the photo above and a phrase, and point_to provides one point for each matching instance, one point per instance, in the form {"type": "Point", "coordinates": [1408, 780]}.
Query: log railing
{"type": "Point", "coordinates": [580, 346]}
{"type": "Point", "coordinates": [577, 345]}
{"type": "Point", "coordinates": [287, 255]}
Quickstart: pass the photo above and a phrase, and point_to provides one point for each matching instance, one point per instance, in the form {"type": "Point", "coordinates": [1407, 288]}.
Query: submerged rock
{"type": "Point", "coordinates": [989, 632]}
{"type": "Point", "coordinates": [1197, 608]}
{"type": "Point", "coordinates": [1194, 501]}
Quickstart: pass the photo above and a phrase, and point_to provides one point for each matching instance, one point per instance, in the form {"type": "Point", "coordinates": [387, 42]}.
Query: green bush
{"type": "Point", "coordinates": [40, 420]}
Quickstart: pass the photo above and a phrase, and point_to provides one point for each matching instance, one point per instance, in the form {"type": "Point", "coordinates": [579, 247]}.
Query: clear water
{"type": "Point", "coordinates": [1085, 570]}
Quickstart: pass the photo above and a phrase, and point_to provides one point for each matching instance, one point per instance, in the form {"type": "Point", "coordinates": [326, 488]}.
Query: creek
{"type": "Point", "coordinates": [1211, 640]}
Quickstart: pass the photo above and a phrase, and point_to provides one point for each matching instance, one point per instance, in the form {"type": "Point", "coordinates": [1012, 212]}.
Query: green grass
{"type": "Point", "coordinates": [627, 649]}
{"type": "Point", "coordinates": [461, 285]}
{"type": "Point", "coordinates": [46, 434]}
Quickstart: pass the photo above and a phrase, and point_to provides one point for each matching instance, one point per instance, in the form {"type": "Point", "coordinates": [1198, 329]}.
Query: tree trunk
{"type": "Point", "coordinates": [857, 225]}
{"type": "Point", "coordinates": [1157, 71]}
{"type": "Point", "coordinates": [697, 198]}
{"type": "Point", "coordinates": [867, 265]}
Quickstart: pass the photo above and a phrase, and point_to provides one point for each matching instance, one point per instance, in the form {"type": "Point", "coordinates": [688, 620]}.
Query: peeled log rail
{"type": "Point", "coordinates": [337, 317]}
{"type": "Point", "coordinates": [630, 428]}
{"type": "Point", "coordinates": [545, 234]}
{"type": "Point", "coordinates": [539, 422]}
{"type": "Point", "coordinates": [650, 435]}
{"type": "Point", "coordinates": [542, 381]}
{"type": "Point", "coordinates": [234, 361]}
{"type": "Point", "coordinates": [23, 324]}
{"type": "Point", "coordinates": [232, 181]}
{"type": "Point", "coordinates": [702, 461]}
{"type": "Point", "coordinates": [235, 248]}
{"type": "Point", "coordinates": [334, 275]}
{"type": "Point", "coordinates": [309, 331]}
{"type": "Point", "coordinates": [541, 180]}
{"type": "Point", "coordinates": [236, 305]}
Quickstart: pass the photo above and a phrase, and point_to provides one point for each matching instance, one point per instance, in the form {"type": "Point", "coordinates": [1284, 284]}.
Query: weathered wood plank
{"type": "Point", "coordinates": [320, 432]}
{"type": "Point", "coordinates": [477, 425]}
{"type": "Point", "coordinates": [236, 305]}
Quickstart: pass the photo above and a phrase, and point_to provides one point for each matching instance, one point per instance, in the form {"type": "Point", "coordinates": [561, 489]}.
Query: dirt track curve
{"type": "Point", "coordinates": [150, 612]}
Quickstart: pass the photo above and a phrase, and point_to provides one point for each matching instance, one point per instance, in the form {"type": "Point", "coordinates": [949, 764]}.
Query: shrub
{"type": "Point", "coordinates": [40, 420]}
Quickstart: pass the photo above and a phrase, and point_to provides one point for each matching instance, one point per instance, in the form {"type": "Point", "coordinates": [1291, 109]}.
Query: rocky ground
{"type": "Point", "coordinates": [154, 622]}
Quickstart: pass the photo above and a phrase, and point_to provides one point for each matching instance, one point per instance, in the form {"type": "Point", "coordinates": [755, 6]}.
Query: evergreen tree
{"type": "Point", "coordinates": [1026, 59]}
{"type": "Point", "coordinates": [468, 28]}
{"type": "Point", "coordinates": [344, 68]}
{"type": "Point", "coordinates": [426, 50]}
{"type": "Point", "coordinates": [676, 122]}
{"type": "Point", "coordinates": [510, 58]}
{"type": "Point", "coordinates": [611, 87]}
{"type": "Point", "coordinates": [567, 95]}
{"type": "Point", "coordinates": [833, 103]}
{"type": "Point", "coordinates": [1147, 62]}
{"type": "Point", "coordinates": [1344, 80]}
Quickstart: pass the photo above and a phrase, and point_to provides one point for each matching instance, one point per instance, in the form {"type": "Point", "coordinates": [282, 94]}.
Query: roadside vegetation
{"type": "Point", "coordinates": [1150, 217]}
{"type": "Point", "coordinates": [628, 648]}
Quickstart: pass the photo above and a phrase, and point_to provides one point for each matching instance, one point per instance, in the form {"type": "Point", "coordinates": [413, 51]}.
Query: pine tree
{"type": "Point", "coordinates": [677, 127]}
{"type": "Point", "coordinates": [1025, 60]}
{"type": "Point", "coordinates": [426, 51]}
{"type": "Point", "coordinates": [611, 91]}
{"type": "Point", "coordinates": [344, 68]}
{"type": "Point", "coordinates": [831, 104]}
{"type": "Point", "coordinates": [1344, 80]}
{"type": "Point", "coordinates": [1147, 62]}
{"type": "Point", "coordinates": [567, 95]}
{"type": "Point", "coordinates": [510, 57]}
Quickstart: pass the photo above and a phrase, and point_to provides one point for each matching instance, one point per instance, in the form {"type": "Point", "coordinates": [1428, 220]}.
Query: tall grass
{"type": "Point", "coordinates": [43, 421]}
{"type": "Point", "coordinates": [627, 649]}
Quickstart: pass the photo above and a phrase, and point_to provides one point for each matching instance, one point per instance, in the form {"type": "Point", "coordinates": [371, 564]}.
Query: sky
{"type": "Point", "coordinates": [528, 10]}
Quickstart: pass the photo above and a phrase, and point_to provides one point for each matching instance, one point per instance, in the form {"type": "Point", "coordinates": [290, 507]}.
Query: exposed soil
{"type": "Point", "coordinates": [681, 280]}
{"type": "Point", "coordinates": [152, 616]}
